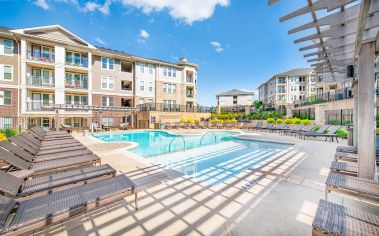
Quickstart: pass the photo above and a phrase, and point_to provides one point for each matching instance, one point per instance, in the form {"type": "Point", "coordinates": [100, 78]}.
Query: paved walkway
{"type": "Point", "coordinates": [276, 197]}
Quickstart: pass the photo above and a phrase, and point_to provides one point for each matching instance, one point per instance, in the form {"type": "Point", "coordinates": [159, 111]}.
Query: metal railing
{"type": "Point", "coordinates": [74, 61]}
{"type": "Point", "coordinates": [184, 143]}
{"type": "Point", "coordinates": [340, 94]}
{"type": "Point", "coordinates": [209, 132]}
{"type": "Point", "coordinates": [36, 105]}
{"type": "Point", "coordinates": [189, 80]}
{"type": "Point", "coordinates": [41, 56]}
{"type": "Point", "coordinates": [41, 81]}
{"type": "Point", "coordinates": [76, 84]}
{"type": "Point", "coordinates": [173, 108]}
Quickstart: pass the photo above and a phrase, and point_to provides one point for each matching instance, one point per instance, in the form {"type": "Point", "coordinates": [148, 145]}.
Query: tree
{"type": "Point", "coordinates": [257, 104]}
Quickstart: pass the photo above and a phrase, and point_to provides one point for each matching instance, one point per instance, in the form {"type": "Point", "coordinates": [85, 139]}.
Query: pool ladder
{"type": "Point", "coordinates": [209, 132]}
{"type": "Point", "coordinates": [184, 142]}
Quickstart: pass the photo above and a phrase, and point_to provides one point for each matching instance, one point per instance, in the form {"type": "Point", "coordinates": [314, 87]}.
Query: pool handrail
{"type": "Point", "coordinates": [206, 135]}
{"type": "Point", "coordinates": [184, 141]}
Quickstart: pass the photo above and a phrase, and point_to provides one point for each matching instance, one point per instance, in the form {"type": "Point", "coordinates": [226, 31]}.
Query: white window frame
{"type": "Point", "coordinates": [142, 86]}
{"type": "Point", "coordinates": [2, 98]}
{"type": "Point", "coordinates": [141, 67]}
{"type": "Point", "coordinates": [109, 81]}
{"type": "Point", "coordinates": [2, 70]}
{"type": "Point", "coordinates": [108, 100]}
{"type": "Point", "coordinates": [3, 47]}
{"type": "Point", "coordinates": [108, 63]}
{"type": "Point", "coordinates": [150, 86]}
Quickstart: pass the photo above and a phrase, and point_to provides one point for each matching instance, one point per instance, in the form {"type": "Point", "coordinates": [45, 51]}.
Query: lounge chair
{"type": "Point", "coordinates": [320, 131]}
{"type": "Point", "coordinates": [50, 138]}
{"type": "Point", "coordinates": [167, 125]}
{"type": "Point", "coordinates": [350, 149]}
{"type": "Point", "coordinates": [213, 125]}
{"type": "Point", "coordinates": [350, 157]}
{"type": "Point", "coordinates": [49, 144]}
{"type": "Point", "coordinates": [36, 213]}
{"type": "Point", "coordinates": [233, 125]}
{"type": "Point", "coordinates": [35, 150]}
{"type": "Point", "coordinates": [267, 127]}
{"type": "Point", "coordinates": [67, 128]}
{"type": "Point", "coordinates": [49, 134]}
{"type": "Point", "coordinates": [41, 185]}
{"type": "Point", "coordinates": [39, 168]}
{"type": "Point", "coordinates": [47, 157]}
{"type": "Point", "coordinates": [257, 126]}
{"type": "Point", "coordinates": [196, 125]}
{"type": "Point", "coordinates": [364, 189]}
{"type": "Point", "coordinates": [344, 168]}
{"type": "Point", "coordinates": [334, 219]}
{"type": "Point", "coordinates": [176, 125]}
{"type": "Point", "coordinates": [204, 125]}
{"type": "Point", "coordinates": [295, 130]}
{"type": "Point", "coordinates": [279, 128]}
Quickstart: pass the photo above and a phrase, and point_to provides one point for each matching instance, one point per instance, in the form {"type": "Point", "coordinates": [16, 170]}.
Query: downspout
{"type": "Point", "coordinates": [19, 82]}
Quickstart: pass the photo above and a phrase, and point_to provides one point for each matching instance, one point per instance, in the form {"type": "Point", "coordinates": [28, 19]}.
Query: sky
{"type": "Point", "coordinates": [238, 44]}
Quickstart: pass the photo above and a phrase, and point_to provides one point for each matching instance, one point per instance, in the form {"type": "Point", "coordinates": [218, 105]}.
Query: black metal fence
{"type": "Point", "coordinates": [304, 113]}
{"type": "Point", "coordinates": [339, 117]}
{"type": "Point", "coordinates": [173, 108]}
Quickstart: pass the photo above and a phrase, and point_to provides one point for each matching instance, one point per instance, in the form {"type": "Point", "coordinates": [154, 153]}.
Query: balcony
{"type": "Point", "coordinates": [41, 81]}
{"type": "Point", "coordinates": [41, 56]}
{"type": "Point", "coordinates": [77, 61]}
{"type": "Point", "coordinates": [36, 105]}
{"type": "Point", "coordinates": [190, 80]}
{"type": "Point", "coordinates": [189, 94]}
{"type": "Point", "coordinates": [77, 83]}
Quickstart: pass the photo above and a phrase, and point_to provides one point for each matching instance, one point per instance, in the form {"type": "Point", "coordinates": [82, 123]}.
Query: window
{"type": "Point", "coordinates": [146, 68]}
{"type": "Point", "coordinates": [7, 73]}
{"type": "Point", "coordinates": [107, 63]}
{"type": "Point", "coordinates": [169, 72]}
{"type": "Point", "coordinates": [142, 86]}
{"type": "Point", "coordinates": [107, 83]}
{"type": "Point", "coordinates": [107, 121]}
{"type": "Point", "coordinates": [141, 67]}
{"type": "Point", "coordinates": [126, 102]}
{"type": "Point", "coordinates": [126, 66]}
{"type": "Point", "coordinates": [75, 99]}
{"type": "Point", "coordinates": [8, 47]}
{"type": "Point", "coordinates": [169, 88]}
{"type": "Point", "coordinates": [150, 86]}
{"type": "Point", "coordinates": [107, 101]}
{"type": "Point", "coordinates": [5, 122]}
{"type": "Point", "coordinates": [150, 68]}
{"type": "Point", "coordinates": [142, 102]}
{"type": "Point", "coordinates": [5, 98]}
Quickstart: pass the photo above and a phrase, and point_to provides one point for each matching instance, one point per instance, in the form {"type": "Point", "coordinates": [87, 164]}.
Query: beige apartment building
{"type": "Point", "coordinates": [51, 65]}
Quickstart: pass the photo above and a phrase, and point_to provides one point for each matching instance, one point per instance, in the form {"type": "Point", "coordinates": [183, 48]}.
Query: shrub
{"type": "Point", "coordinates": [279, 121]}
{"type": "Point", "coordinates": [342, 133]}
{"type": "Point", "coordinates": [234, 121]}
{"type": "Point", "coordinates": [190, 120]}
{"type": "Point", "coordinates": [182, 120]}
{"type": "Point", "coordinates": [3, 137]}
{"type": "Point", "coordinates": [213, 121]}
{"type": "Point", "coordinates": [9, 132]}
{"type": "Point", "coordinates": [296, 121]}
{"type": "Point", "coordinates": [316, 128]}
{"type": "Point", "coordinates": [306, 122]}
{"type": "Point", "coordinates": [270, 120]}
{"type": "Point", "coordinates": [196, 120]}
{"type": "Point", "coordinates": [288, 121]}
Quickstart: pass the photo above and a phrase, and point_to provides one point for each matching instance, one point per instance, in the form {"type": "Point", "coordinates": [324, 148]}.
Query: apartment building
{"type": "Point", "coordinates": [51, 65]}
{"type": "Point", "coordinates": [284, 88]}
{"type": "Point", "coordinates": [235, 97]}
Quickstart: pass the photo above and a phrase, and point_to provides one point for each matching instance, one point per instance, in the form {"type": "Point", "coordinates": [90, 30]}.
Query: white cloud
{"type": "Point", "coordinates": [187, 10]}
{"type": "Point", "coordinates": [217, 46]}
{"type": "Point", "coordinates": [143, 36]}
{"type": "Point", "coordinates": [102, 42]}
{"type": "Point", "coordinates": [94, 6]}
{"type": "Point", "coordinates": [42, 4]}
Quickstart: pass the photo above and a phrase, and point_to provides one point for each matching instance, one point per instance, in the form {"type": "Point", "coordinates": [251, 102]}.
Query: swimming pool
{"type": "Point", "coordinates": [153, 143]}
{"type": "Point", "coordinates": [217, 163]}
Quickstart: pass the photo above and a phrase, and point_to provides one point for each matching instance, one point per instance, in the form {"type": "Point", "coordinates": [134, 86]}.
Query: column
{"type": "Point", "coordinates": [23, 52]}
{"type": "Point", "coordinates": [59, 74]}
{"type": "Point", "coordinates": [366, 112]}
{"type": "Point", "coordinates": [355, 113]}
{"type": "Point", "coordinates": [320, 113]}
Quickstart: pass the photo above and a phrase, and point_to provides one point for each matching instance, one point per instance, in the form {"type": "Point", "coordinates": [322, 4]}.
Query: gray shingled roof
{"type": "Point", "coordinates": [5, 30]}
{"type": "Point", "coordinates": [300, 71]}
{"type": "Point", "coordinates": [235, 92]}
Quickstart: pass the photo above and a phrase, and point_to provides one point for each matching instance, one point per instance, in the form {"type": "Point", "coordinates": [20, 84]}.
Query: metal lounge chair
{"type": "Point", "coordinates": [350, 157]}
{"type": "Point", "coordinates": [51, 134]}
{"type": "Point", "coordinates": [39, 168]}
{"type": "Point", "coordinates": [334, 219]}
{"type": "Point", "coordinates": [36, 213]}
{"type": "Point", "coordinates": [294, 130]}
{"type": "Point", "coordinates": [42, 185]}
{"type": "Point", "coordinates": [167, 125]}
{"type": "Point", "coordinates": [47, 157]}
{"type": "Point", "coordinates": [279, 128]}
{"type": "Point", "coordinates": [267, 127]}
{"type": "Point", "coordinates": [49, 144]}
{"type": "Point", "coordinates": [213, 125]}
{"type": "Point", "coordinates": [176, 125]}
{"type": "Point", "coordinates": [257, 126]}
{"type": "Point", "coordinates": [314, 133]}
{"type": "Point", "coordinates": [233, 125]}
{"type": "Point", "coordinates": [350, 149]}
{"type": "Point", "coordinates": [355, 187]}
{"type": "Point", "coordinates": [196, 125]}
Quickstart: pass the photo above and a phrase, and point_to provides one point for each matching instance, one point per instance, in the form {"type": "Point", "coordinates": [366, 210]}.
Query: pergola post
{"type": "Point", "coordinates": [366, 112]}
{"type": "Point", "coordinates": [355, 112]}
{"type": "Point", "coordinates": [57, 124]}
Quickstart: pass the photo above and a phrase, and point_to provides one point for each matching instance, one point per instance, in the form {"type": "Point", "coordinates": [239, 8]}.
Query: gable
{"type": "Point", "coordinates": [56, 35]}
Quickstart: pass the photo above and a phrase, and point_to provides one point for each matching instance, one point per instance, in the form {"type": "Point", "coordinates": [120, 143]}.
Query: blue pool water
{"type": "Point", "coordinates": [217, 163]}
{"type": "Point", "coordinates": [152, 143]}
{"type": "Point", "coordinates": [212, 158]}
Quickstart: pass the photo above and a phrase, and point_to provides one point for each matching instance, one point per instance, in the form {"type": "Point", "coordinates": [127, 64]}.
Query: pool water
{"type": "Point", "coordinates": [217, 163]}
{"type": "Point", "coordinates": [153, 143]}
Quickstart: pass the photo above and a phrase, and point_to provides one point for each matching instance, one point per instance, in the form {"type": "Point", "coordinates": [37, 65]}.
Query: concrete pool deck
{"type": "Point", "coordinates": [282, 199]}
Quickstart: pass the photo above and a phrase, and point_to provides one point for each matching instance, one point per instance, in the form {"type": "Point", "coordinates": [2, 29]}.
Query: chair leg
{"type": "Point", "coordinates": [135, 199]}
{"type": "Point", "coordinates": [326, 193]}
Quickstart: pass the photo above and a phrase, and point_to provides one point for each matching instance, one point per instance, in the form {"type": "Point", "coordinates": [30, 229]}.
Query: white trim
{"type": "Point", "coordinates": [2, 47]}
{"type": "Point", "coordinates": [2, 66]}
{"type": "Point", "coordinates": [8, 85]}
{"type": "Point", "coordinates": [108, 58]}
{"type": "Point", "coordinates": [108, 78]}
{"type": "Point", "coordinates": [114, 94]}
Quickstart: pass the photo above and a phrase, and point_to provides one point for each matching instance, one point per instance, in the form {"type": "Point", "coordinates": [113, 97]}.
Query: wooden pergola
{"type": "Point", "coordinates": [346, 37]}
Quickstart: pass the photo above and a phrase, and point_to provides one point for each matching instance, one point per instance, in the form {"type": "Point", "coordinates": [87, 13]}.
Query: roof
{"type": "Point", "coordinates": [300, 71]}
{"type": "Point", "coordinates": [235, 92]}
{"type": "Point", "coordinates": [5, 30]}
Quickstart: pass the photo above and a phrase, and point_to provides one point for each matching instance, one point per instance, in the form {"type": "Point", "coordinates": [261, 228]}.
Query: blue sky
{"type": "Point", "coordinates": [237, 43]}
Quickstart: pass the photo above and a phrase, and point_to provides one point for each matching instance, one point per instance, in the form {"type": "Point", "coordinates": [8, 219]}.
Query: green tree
{"type": "Point", "coordinates": [257, 104]}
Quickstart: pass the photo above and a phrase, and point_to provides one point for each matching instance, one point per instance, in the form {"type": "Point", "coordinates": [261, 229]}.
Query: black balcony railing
{"type": "Point", "coordinates": [41, 56]}
{"type": "Point", "coordinates": [189, 80]}
{"type": "Point", "coordinates": [36, 105]}
{"type": "Point", "coordinates": [41, 81]}
{"type": "Point", "coordinates": [336, 95]}
{"type": "Point", "coordinates": [173, 108]}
